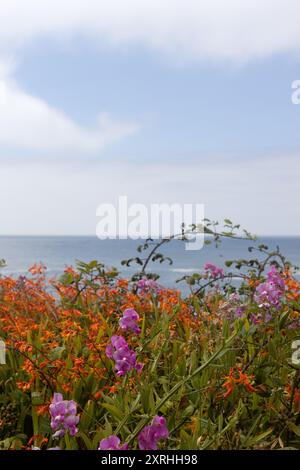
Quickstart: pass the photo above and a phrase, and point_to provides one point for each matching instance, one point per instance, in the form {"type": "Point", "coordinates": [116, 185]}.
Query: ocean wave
{"type": "Point", "coordinates": [183, 270]}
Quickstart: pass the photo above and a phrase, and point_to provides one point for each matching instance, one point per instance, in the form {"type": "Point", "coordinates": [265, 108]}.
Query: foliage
{"type": "Point", "coordinates": [217, 365]}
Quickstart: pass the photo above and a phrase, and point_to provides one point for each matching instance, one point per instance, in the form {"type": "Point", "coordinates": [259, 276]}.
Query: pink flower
{"type": "Point", "coordinates": [112, 443]}
{"type": "Point", "coordinates": [270, 293]}
{"type": "Point", "coordinates": [128, 321]}
{"type": "Point", "coordinates": [124, 357]}
{"type": "Point", "coordinates": [213, 270]}
{"type": "Point", "coordinates": [150, 435]}
{"type": "Point", "coordinates": [63, 416]}
{"type": "Point", "coordinates": [146, 285]}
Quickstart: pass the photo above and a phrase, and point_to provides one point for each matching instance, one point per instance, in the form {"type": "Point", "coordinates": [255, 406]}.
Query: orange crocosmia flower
{"type": "Point", "coordinates": [229, 384]}
{"type": "Point", "coordinates": [37, 269]}
{"type": "Point", "coordinates": [66, 387]}
{"type": "Point", "coordinates": [24, 386]}
{"type": "Point", "coordinates": [253, 282]}
{"type": "Point", "coordinates": [40, 439]}
{"type": "Point", "coordinates": [42, 410]}
{"type": "Point", "coordinates": [292, 286]}
{"type": "Point", "coordinates": [70, 270]}
{"type": "Point", "coordinates": [193, 423]}
{"type": "Point", "coordinates": [122, 283]}
{"type": "Point", "coordinates": [237, 377]}
{"type": "Point", "coordinates": [43, 364]}
{"type": "Point", "coordinates": [244, 379]}
{"type": "Point", "coordinates": [98, 395]}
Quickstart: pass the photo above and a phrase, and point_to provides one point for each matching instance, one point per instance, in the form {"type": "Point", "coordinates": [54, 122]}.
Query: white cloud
{"type": "Point", "coordinates": [7, 66]}
{"type": "Point", "coordinates": [213, 29]}
{"type": "Point", "coordinates": [30, 123]}
{"type": "Point", "coordinates": [184, 29]}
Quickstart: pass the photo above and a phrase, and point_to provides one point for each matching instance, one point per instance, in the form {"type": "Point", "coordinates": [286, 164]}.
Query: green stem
{"type": "Point", "coordinates": [35, 422]}
{"type": "Point", "coordinates": [68, 442]}
{"type": "Point", "coordinates": [176, 387]}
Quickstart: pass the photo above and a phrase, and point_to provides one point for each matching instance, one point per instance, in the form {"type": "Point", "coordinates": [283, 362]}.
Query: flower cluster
{"type": "Point", "coordinates": [112, 443]}
{"type": "Point", "coordinates": [124, 357]}
{"type": "Point", "coordinates": [269, 293]}
{"type": "Point", "coordinates": [146, 285]}
{"type": "Point", "coordinates": [213, 271]}
{"type": "Point", "coordinates": [57, 333]}
{"type": "Point", "coordinates": [63, 416]}
{"type": "Point", "coordinates": [147, 439]}
{"type": "Point", "coordinates": [237, 377]}
{"type": "Point", "coordinates": [150, 435]}
{"type": "Point", "coordinates": [128, 321]}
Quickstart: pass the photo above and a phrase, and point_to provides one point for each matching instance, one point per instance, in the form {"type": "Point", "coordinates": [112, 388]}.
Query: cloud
{"type": "Point", "coordinates": [183, 29]}
{"type": "Point", "coordinates": [46, 198]}
{"type": "Point", "coordinates": [7, 66]}
{"type": "Point", "coordinates": [29, 123]}
{"type": "Point", "coordinates": [187, 29]}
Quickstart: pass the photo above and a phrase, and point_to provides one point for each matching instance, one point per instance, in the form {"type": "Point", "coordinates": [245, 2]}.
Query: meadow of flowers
{"type": "Point", "coordinates": [94, 361]}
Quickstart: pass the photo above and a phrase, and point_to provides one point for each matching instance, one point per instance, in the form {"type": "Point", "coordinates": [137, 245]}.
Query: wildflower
{"type": "Point", "coordinates": [37, 269]}
{"type": "Point", "coordinates": [146, 285]}
{"type": "Point", "coordinates": [213, 270]}
{"type": "Point", "coordinates": [124, 357]}
{"type": "Point", "coordinates": [239, 313]}
{"type": "Point", "coordinates": [42, 410]}
{"type": "Point", "coordinates": [258, 318]}
{"type": "Point", "coordinates": [63, 416]}
{"type": "Point", "coordinates": [129, 319]}
{"type": "Point", "coordinates": [37, 441]}
{"type": "Point", "coordinates": [112, 443]}
{"type": "Point", "coordinates": [269, 293]}
{"type": "Point", "coordinates": [292, 286]}
{"type": "Point", "coordinates": [234, 297]}
{"type": "Point", "coordinates": [233, 379]}
{"type": "Point", "coordinates": [150, 435]}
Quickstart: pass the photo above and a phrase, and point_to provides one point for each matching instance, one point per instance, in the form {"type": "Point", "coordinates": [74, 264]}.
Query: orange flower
{"type": "Point", "coordinates": [292, 286]}
{"type": "Point", "coordinates": [237, 377]}
{"type": "Point", "coordinates": [38, 439]}
{"type": "Point", "coordinates": [42, 410]}
{"type": "Point", "coordinates": [37, 269]}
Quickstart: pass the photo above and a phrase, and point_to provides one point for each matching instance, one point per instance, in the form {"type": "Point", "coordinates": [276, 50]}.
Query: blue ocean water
{"type": "Point", "coordinates": [57, 252]}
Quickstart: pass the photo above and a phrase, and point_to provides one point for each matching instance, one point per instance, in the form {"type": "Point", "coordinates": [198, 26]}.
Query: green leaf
{"type": "Point", "coordinates": [296, 429]}
{"type": "Point", "coordinates": [116, 412]}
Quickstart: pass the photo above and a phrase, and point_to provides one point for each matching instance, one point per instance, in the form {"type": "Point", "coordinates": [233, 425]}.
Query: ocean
{"type": "Point", "coordinates": [20, 252]}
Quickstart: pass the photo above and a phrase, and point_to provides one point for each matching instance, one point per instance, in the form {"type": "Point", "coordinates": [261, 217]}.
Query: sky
{"type": "Point", "coordinates": [162, 101]}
